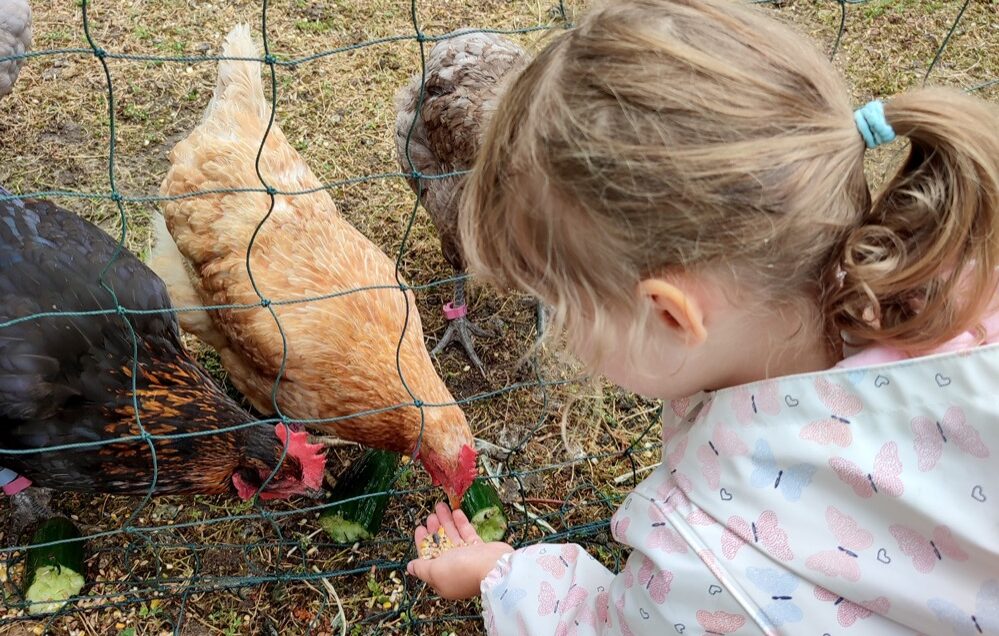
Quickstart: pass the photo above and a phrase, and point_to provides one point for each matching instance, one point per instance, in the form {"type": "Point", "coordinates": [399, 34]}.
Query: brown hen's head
{"type": "Point", "coordinates": [301, 472]}
{"type": "Point", "coordinates": [447, 454]}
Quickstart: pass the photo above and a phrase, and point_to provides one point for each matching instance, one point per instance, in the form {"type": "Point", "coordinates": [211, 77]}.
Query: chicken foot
{"type": "Point", "coordinates": [461, 329]}
{"type": "Point", "coordinates": [28, 508]}
{"type": "Point", "coordinates": [541, 314]}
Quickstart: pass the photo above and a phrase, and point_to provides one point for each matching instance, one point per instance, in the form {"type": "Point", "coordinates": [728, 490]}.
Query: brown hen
{"type": "Point", "coordinates": [341, 351]}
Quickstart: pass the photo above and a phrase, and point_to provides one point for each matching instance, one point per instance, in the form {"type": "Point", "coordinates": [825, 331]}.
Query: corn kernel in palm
{"type": "Point", "coordinates": [435, 544]}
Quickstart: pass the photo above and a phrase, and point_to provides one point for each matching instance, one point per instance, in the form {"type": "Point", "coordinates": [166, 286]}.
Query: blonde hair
{"type": "Point", "coordinates": [679, 134]}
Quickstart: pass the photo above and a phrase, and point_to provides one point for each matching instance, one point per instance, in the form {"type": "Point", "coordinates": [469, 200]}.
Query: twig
{"type": "Point", "coordinates": [490, 469]}
{"type": "Point", "coordinates": [620, 479]}
{"type": "Point", "coordinates": [545, 502]}
{"type": "Point", "coordinates": [331, 442]}
{"type": "Point", "coordinates": [535, 518]}
{"type": "Point", "coordinates": [631, 416]}
{"type": "Point", "coordinates": [86, 624]}
{"type": "Point", "coordinates": [340, 615]}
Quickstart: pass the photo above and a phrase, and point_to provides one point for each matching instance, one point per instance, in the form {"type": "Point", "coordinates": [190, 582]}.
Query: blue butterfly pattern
{"type": "Point", "coordinates": [767, 474]}
{"type": "Point", "coordinates": [509, 597]}
{"type": "Point", "coordinates": [779, 586]}
{"type": "Point", "coordinates": [985, 619]}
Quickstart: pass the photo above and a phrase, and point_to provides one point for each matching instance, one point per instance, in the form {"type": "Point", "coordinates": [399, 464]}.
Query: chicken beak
{"type": "Point", "coordinates": [454, 501]}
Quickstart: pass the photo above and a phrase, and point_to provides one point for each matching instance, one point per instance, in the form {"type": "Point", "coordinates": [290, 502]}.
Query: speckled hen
{"type": "Point", "coordinates": [465, 76]}
{"type": "Point", "coordinates": [69, 379]}
{"type": "Point", "coordinates": [341, 351]}
{"type": "Point", "coordinates": [15, 39]}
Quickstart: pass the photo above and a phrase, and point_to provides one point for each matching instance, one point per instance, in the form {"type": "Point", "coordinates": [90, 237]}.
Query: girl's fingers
{"type": "Point", "coordinates": [420, 568]}
{"type": "Point", "coordinates": [433, 524]}
{"type": "Point", "coordinates": [465, 528]}
{"type": "Point", "coordinates": [420, 534]}
{"type": "Point", "coordinates": [443, 512]}
{"type": "Point", "coordinates": [447, 522]}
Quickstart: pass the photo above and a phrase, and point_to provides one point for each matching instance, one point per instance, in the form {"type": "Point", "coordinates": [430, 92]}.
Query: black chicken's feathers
{"type": "Point", "coordinates": [51, 261]}
{"type": "Point", "coordinates": [68, 379]}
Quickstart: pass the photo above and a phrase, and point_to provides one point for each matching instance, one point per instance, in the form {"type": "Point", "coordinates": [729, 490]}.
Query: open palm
{"type": "Point", "coordinates": [457, 573]}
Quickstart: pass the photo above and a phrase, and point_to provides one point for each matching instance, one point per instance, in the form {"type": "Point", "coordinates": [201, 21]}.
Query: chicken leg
{"type": "Point", "coordinates": [29, 507]}
{"type": "Point", "coordinates": [461, 328]}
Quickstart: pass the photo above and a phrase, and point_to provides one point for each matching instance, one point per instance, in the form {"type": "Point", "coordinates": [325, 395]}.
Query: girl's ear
{"type": "Point", "coordinates": [679, 310]}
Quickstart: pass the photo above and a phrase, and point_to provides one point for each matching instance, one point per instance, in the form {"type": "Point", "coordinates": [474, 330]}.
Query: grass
{"type": "Point", "coordinates": [338, 112]}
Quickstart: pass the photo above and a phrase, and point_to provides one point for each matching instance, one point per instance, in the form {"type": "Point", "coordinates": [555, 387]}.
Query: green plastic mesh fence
{"type": "Point", "coordinates": [212, 565]}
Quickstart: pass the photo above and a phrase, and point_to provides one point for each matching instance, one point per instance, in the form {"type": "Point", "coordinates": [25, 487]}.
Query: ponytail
{"type": "Point", "coordinates": [920, 269]}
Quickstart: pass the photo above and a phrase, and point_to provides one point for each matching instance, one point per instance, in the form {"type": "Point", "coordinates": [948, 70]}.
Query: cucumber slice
{"type": "Point", "coordinates": [483, 507]}
{"type": "Point", "coordinates": [361, 519]}
{"type": "Point", "coordinates": [53, 573]}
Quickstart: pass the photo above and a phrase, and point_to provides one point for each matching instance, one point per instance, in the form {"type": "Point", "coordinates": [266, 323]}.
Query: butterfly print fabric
{"type": "Point", "coordinates": [859, 501]}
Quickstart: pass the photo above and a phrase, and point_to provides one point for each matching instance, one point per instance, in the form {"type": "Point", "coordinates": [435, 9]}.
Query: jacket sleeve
{"type": "Point", "coordinates": [666, 586]}
{"type": "Point", "coordinates": [546, 589]}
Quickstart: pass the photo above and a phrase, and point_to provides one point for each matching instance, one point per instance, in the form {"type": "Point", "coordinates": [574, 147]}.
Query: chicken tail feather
{"type": "Point", "coordinates": [238, 80]}
{"type": "Point", "coordinates": [169, 264]}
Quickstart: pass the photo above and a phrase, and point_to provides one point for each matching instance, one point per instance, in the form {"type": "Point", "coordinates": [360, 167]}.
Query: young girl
{"type": "Point", "coordinates": [683, 182]}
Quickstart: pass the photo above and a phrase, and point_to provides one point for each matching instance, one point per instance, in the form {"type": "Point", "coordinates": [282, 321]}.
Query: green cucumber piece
{"type": "Point", "coordinates": [483, 507]}
{"type": "Point", "coordinates": [53, 573]}
{"type": "Point", "coordinates": [361, 518]}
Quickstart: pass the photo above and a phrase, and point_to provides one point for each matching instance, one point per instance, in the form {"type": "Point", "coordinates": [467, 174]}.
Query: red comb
{"type": "Point", "coordinates": [468, 470]}
{"type": "Point", "coordinates": [311, 456]}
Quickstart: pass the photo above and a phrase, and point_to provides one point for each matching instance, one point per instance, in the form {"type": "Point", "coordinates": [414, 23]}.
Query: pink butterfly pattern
{"type": "Point", "coordinates": [603, 607]}
{"type": "Point", "coordinates": [627, 578]}
{"type": "Point", "coordinates": [680, 407]}
{"type": "Point", "coordinates": [575, 600]}
{"type": "Point", "coordinates": [835, 429]}
{"type": "Point", "coordinates": [656, 581]}
{"type": "Point", "coordinates": [547, 600]}
{"type": "Point", "coordinates": [557, 566]}
{"type": "Point", "coordinates": [720, 622]}
{"type": "Point", "coordinates": [662, 536]}
{"type": "Point", "coordinates": [748, 404]}
{"type": "Point", "coordinates": [700, 518]}
{"type": "Point", "coordinates": [723, 441]}
{"type": "Point", "coordinates": [619, 527]}
{"type": "Point", "coordinates": [885, 478]}
{"type": "Point", "coordinates": [672, 491]}
{"type": "Point", "coordinates": [931, 435]}
{"type": "Point", "coordinates": [675, 455]}
{"type": "Point", "coordinates": [848, 613]}
{"type": "Point", "coordinates": [850, 538]}
{"type": "Point", "coordinates": [926, 553]}
{"type": "Point", "coordinates": [765, 530]}
{"type": "Point", "coordinates": [621, 621]}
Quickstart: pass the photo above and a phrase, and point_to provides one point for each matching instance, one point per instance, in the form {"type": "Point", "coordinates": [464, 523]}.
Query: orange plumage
{"type": "Point", "coordinates": [341, 352]}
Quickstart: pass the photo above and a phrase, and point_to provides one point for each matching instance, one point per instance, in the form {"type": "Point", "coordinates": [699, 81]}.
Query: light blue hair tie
{"type": "Point", "coordinates": [873, 126]}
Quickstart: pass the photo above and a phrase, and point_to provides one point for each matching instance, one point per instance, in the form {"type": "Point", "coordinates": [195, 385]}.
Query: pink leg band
{"type": "Point", "coordinates": [453, 313]}
{"type": "Point", "coordinates": [17, 485]}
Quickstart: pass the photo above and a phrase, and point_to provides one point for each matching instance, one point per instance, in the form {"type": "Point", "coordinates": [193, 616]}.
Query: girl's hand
{"type": "Point", "coordinates": [457, 573]}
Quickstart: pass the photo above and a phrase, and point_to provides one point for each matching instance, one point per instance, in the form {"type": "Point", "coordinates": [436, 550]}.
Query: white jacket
{"type": "Point", "coordinates": [860, 501]}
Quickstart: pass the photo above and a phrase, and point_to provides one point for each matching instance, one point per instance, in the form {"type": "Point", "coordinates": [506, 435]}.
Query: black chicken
{"type": "Point", "coordinates": [69, 380]}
